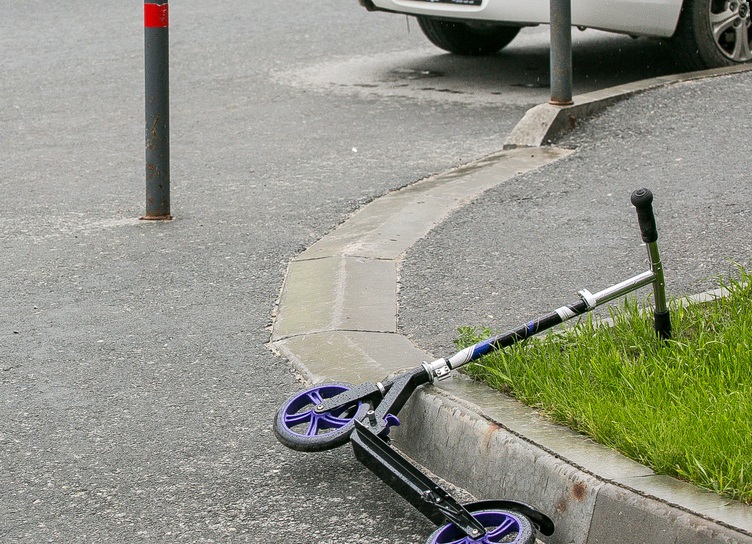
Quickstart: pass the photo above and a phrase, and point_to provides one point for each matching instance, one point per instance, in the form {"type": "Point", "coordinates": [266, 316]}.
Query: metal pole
{"type": "Point", "coordinates": [561, 52]}
{"type": "Point", "coordinates": [157, 87]}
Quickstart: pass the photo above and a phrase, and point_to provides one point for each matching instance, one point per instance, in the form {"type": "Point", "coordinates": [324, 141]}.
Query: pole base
{"type": "Point", "coordinates": [167, 217]}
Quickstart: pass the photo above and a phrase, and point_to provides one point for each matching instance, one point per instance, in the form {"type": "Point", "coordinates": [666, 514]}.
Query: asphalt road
{"type": "Point", "coordinates": [529, 245]}
{"type": "Point", "coordinates": [136, 386]}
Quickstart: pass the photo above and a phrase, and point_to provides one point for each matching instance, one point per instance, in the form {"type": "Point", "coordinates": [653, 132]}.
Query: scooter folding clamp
{"type": "Point", "coordinates": [588, 298]}
{"type": "Point", "coordinates": [438, 369]}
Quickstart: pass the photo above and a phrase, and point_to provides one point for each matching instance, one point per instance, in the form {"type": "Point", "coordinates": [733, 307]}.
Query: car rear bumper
{"type": "Point", "coordinates": [656, 18]}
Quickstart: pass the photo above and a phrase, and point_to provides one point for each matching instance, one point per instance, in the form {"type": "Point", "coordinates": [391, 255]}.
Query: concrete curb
{"type": "Point", "coordinates": [337, 320]}
{"type": "Point", "coordinates": [544, 122]}
{"type": "Point", "coordinates": [337, 314]}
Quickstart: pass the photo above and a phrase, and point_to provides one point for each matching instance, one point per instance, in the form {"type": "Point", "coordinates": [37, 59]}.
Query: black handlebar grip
{"type": "Point", "coordinates": [642, 199]}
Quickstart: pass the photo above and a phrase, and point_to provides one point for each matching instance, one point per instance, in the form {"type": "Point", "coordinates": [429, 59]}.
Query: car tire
{"type": "Point", "coordinates": [467, 38]}
{"type": "Point", "coordinates": [713, 33]}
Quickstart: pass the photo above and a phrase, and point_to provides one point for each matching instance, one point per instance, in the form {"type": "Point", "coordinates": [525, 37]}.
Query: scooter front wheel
{"type": "Point", "coordinates": [500, 525]}
{"type": "Point", "coordinates": [299, 427]}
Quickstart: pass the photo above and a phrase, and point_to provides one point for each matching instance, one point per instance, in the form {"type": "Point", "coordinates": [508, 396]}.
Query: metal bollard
{"type": "Point", "coordinates": [561, 52]}
{"type": "Point", "coordinates": [157, 87]}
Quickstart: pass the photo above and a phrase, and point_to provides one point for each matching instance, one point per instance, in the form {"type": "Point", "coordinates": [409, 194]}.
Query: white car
{"type": "Point", "coordinates": [703, 33]}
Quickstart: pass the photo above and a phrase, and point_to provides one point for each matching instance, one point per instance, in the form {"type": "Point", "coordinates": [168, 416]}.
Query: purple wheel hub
{"type": "Point", "coordinates": [301, 419]}
{"type": "Point", "coordinates": [501, 526]}
{"type": "Point", "coordinates": [300, 427]}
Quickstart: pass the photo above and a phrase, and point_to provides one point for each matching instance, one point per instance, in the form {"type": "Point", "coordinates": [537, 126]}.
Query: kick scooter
{"type": "Point", "coordinates": [329, 415]}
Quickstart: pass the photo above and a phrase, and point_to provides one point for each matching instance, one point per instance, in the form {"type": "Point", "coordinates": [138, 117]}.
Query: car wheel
{"type": "Point", "coordinates": [713, 33]}
{"type": "Point", "coordinates": [467, 38]}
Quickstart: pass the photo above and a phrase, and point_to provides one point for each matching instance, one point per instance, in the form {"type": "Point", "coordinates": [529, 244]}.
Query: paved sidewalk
{"type": "Point", "coordinates": [514, 235]}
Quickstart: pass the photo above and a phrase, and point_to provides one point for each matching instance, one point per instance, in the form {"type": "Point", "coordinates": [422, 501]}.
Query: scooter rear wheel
{"type": "Point", "coordinates": [501, 526]}
{"type": "Point", "coordinates": [299, 427]}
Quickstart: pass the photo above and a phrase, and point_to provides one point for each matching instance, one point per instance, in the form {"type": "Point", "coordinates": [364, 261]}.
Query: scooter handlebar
{"type": "Point", "coordinates": [642, 199]}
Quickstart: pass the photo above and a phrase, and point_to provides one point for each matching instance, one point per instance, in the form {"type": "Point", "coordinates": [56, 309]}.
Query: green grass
{"type": "Point", "coordinates": [682, 407]}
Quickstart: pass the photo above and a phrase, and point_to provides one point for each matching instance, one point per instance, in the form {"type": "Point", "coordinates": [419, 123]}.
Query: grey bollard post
{"type": "Point", "coordinates": [157, 87]}
{"type": "Point", "coordinates": [561, 52]}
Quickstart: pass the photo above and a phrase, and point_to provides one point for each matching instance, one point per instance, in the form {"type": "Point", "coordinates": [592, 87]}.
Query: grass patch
{"type": "Point", "coordinates": [682, 407]}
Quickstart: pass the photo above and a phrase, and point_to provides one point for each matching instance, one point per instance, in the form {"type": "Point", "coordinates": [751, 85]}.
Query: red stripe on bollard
{"type": "Point", "coordinates": [155, 16]}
